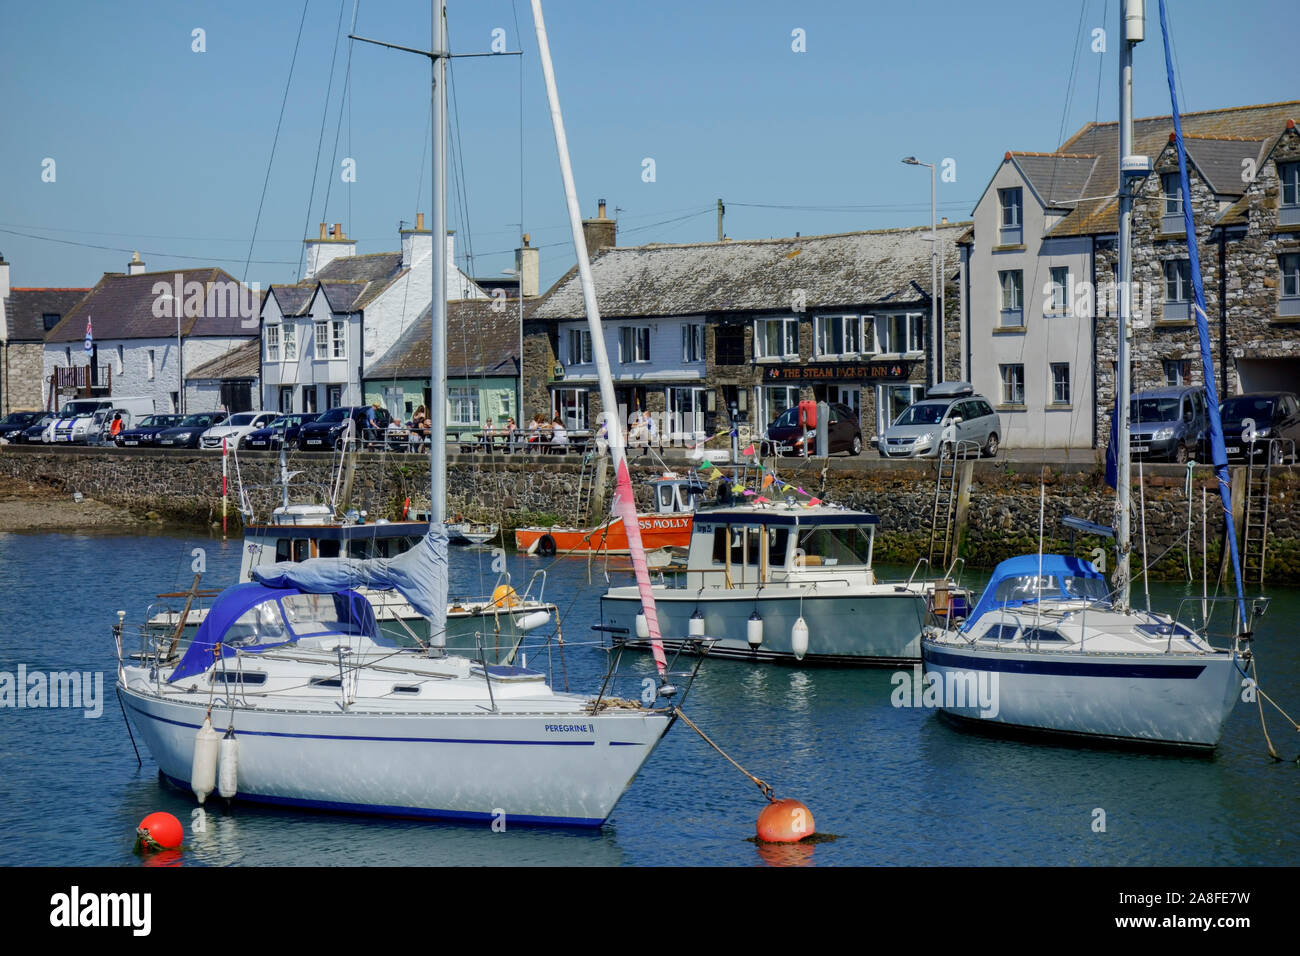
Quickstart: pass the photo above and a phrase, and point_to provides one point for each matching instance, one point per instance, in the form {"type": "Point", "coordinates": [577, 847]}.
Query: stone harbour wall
{"type": "Point", "coordinates": [1002, 520]}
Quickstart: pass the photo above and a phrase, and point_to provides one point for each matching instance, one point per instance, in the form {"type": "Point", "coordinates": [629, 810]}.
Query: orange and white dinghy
{"type": "Point", "coordinates": [668, 526]}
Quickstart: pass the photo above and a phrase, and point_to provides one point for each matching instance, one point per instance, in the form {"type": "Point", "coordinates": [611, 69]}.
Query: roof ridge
{"type": "Point", "coordinates": [1026, 152]}
{"type": "Point", "coordinates": [1186, 113]}
{"type": "Point", "coordinates": [786, 239]}
{"type": "Point", "coordinates": [1232, 139]}
{"type": "Point", "coordinates": [50, 288]}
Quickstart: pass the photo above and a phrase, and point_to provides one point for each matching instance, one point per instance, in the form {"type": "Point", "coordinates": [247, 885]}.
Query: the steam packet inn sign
{"type": "Point", "coordinates": [840, 372]}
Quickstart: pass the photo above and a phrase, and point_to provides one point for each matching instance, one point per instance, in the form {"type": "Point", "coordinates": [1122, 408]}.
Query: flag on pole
{"type": "Point", "coordinates": [90, 338]}
{"type": "Point", "coordinates": [748, 451]}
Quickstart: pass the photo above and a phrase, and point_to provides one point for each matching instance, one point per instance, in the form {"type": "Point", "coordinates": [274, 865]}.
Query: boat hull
{"type": "Point", "coordinates": [657, 531]}
{"type": "Point", "coordinates": [553, 768]}
{"type": "Point", "coordinates": [870, 629]}
{"type": "Point", "coordinates": [1148, 700]}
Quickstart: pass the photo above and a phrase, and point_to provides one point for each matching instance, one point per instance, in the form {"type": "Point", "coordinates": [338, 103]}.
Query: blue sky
{"type": "Point", "coordinates": [165, 150]}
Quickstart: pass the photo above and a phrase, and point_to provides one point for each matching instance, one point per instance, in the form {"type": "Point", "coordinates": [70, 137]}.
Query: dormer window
{"type": "Point", "coordinates": [1012, 216]}
{"type": "Point", "coordinates": [1171, 189]}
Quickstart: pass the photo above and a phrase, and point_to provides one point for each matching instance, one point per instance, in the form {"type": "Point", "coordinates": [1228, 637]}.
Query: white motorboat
{"type": "Point", "coordinates": [784, 582]}
{"type": "Point", "coordinates": [1048, 648]}
{"type": "Point", "coordinates": [321, 710]}
{"type": "Point", "coordinates": [467, 532]}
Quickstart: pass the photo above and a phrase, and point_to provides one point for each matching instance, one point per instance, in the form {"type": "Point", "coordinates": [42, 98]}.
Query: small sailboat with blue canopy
{"type": "Point", "coordinates": [1061, 652]}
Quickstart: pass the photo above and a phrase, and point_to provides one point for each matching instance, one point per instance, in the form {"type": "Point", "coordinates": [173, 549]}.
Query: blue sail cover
{"type": "Point", "coordinates": [1058, 567]}
{"type": "Point", "coordinates": [419, 575]}
{"type": "Point", "coordinates": [1218, 454]}
{"type": "Point", "coordinates": [266, 629]}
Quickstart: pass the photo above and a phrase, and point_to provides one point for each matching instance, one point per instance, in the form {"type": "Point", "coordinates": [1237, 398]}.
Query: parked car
{"type": "Point", "coordinates": [1167, 424]}
{"type": "Point", "coordinates": [186, 434]}
{"type": "Point", "coordinates": [145, 432]}
{"type": "Point", "coordinates": [15, 423]}
{"type": "Point", "coordinates": [1276, 417]}
{"type": "Point", "coordinates": [951, 416]}
{"type": "Point", "coordinates": [327, 431]}
{"type": "Point", "coordinates": [282, 431]}
{"type": "Point", "coordinates": [39, 431]}
{"type": "Point", "coordinates": [234, 428]}
{"type": "Point", "coordinates": [786, 435]}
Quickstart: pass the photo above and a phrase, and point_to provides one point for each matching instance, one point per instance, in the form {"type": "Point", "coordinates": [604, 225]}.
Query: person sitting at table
{"type": "Point", "coordinates": [419, 426]}
{"type": "Point", "coordinates": [511, 433]}
{"type": "Point", "coordinates": [559, 437]}
{"type": "Point", "coordinates": [488, 433]}
{"type": "Point", "coordinates": [534, 432]}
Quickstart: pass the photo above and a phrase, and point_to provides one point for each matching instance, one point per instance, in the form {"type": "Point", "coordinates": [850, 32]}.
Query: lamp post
{"type": "Point", "coordinates": [936, 325]}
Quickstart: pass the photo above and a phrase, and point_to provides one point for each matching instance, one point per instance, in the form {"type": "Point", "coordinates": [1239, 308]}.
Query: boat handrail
{"type": "Point", "coordinates": [917, 567]}
{"type": "Point", "coordinates": [1258, 608]}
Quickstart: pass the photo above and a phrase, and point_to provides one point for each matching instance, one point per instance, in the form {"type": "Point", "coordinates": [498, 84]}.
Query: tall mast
{"type": "Point", "coordinates": [1132, 20]}
{"type": "Point", "coordinates": [438, 306]}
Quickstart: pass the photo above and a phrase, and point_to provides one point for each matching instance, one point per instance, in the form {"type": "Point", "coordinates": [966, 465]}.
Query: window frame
{"type": "Point", "coordinates": [1055, 369]}
{"type": "Point", "coordinates": [321, 339]}
{"type": "Point", "coordinates": [1016, 206]}
{"type": "Point", "coordinates": [692, 343]}
{"type": "Point", "coordinates": [289, 341]}
{"type": "Point", "coordinates": [630, 340]}
{"type": "Point", "coordinates": [1013, 381]}
{"type": "Point", "coordinates": [338, 339]}
{"type": "Point", "coordinates": [1059, 303]}
{"type": "Point", "coordinates": [788, 336]}
{"type": "Point", "coordinates": [579, 346]}
{"type": "Point", "coordinates": [272, 345]}
{"type": "Point", "coordinates": [849, 345]}
{"type": "Point", "coordinates": [459, 399]}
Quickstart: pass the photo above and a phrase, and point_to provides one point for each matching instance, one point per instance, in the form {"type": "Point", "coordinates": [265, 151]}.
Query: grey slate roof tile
{"type": "Point", "coordinates": [480, 341]}
{"type": "Point", "coordinates": [25, 310]}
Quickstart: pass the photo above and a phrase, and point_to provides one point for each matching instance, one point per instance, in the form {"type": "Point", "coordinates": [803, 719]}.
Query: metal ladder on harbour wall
{"type": "Point", "coordinates": [591, 483]}
{"type": "Point", "coordinates": [1254, 532]}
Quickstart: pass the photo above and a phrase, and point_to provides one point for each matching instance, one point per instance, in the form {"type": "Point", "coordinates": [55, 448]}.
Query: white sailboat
{"type": "Point", "coordinates": [323, 712]}
{"type": "Point", "coordinates": [1047, 647]}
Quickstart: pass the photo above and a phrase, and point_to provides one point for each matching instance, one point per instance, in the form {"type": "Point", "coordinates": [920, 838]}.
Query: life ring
{"type": "Point", "coordinates": [505, 596]}
{"type": "Point", "coordinates": [406, 508]}
{"type": "Point", "coordinates": [546, 546]}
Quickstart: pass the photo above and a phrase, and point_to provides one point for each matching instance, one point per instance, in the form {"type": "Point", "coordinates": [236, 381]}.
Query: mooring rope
{"type": "Point", "coordinates": [1260, 697]}
{"type": "Point", "coordinates": [762, 786]}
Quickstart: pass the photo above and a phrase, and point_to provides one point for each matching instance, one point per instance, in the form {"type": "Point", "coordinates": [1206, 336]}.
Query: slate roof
{"type": "Point", "coordinates": [1058, 178]}
{"type": "Point", "coordinates": [1217, 141]}
{"type": "Point", "coordinates": [350, 282]}
{"type": "Point", "coordinates": [25, 310]}
{"type": "Point", "coordinates": [242, 362]}
{"type": "Point", "coordinates": [480, 341]}
{"type": "Point", "coordinates": [756, 275]}
{"type": "Point", "coordinates": [123, 307]}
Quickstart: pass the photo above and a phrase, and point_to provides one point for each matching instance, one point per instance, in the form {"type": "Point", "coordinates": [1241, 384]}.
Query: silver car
{"type": "Point", "coordinates": [950, 417]}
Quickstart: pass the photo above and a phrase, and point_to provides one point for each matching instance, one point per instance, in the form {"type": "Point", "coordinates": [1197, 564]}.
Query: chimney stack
{"type": "Point", "coordinates": [135, 267]}
{"type": "Point", "coordinates": [4, 282]}
{"type": "Point", "coordinates": [330, 246]}
{"type": "Point", "coordinates": [599, 233]}
{"type": "Point", "coordinates": [527, 263]}
{"type": "Point", "coordinates": [416, 243]}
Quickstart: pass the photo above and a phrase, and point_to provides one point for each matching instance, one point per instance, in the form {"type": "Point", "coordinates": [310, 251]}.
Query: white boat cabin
{"type": "Point", "coordinates": [753, 546]}
{"type": "Point", "coordinates": [674, 495]}
{"type": "Point", "coordinates": [299, 532]}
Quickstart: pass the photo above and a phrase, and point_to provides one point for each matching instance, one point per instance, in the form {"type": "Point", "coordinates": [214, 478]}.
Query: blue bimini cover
{"type": "Point", "coordinates": [250, 617]}
{"type": "Point", "coordinates": [1016, 582]}
{"type": "Point", "coordinates": [419, 575]}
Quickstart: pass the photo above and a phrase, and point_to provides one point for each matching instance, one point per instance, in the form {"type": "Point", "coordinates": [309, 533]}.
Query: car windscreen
{"type": "Point", "coordinates": [204, 420]}
{"type": "Point", "coordinates": [1243, 406]}
{"type": "Point", "coordinates": [923, 413]}
{"type": "Point", "coordinates": [19, 418]}
{"type": "Point", "coordinates": [1154, 409]}
{"type": "Point", "coordinates": [334, 415]}
{"type": "Point", "coordinates": [787, 418]}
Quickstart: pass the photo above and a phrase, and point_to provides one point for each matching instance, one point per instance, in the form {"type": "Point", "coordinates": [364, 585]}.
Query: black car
{"type": "Point", "coordinates": [1276, 419]}
{"type": "Point", "coordinates": [186, 434]}
{"type": "Point", "coordinates": [786, 437]}
{"type": "Point", "coordinates": [15, 423]}
{"type": "Point", "coordinates": [282, 430]}
{"type": "Point", "coordinates": [327, 431]}
{"type": "Point", "coordinates": [34, 433]}
{"type": "Point", "coordinates": [146, 433]}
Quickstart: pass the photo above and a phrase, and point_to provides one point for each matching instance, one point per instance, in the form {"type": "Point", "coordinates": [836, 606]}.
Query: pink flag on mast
{"type": "Point", "coordinates": [625, 508]}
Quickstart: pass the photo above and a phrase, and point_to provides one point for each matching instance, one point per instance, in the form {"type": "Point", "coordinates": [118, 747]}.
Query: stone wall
{"type": "Point", "coordinates": [21, 387]}
{"type": "Point", "coordinates": [1003, 517]}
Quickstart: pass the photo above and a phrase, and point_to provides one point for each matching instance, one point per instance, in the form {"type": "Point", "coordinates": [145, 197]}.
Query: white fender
{"type": "Point", "coordinates": [532, 620]}
{"type": "Point", "coordinates": [799, 638]}
{"type": "Point", "coordinates": [228, 766]}
{"type": "Point", "coordinates": [754, 631]}
{"type": "Point", "coordinates": [203, 769]}
{"type": "Point", "coordinates": [642, 625]}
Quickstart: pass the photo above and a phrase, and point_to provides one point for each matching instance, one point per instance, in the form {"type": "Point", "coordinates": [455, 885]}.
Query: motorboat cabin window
{"type": "Point", "coordinates": [830, 547]}
{"type": "Point", "coordinates": [778, 540]}
{"type": "Point", "coordinates": [292, 549]}
{"type": "Point", "coordinates": [238, 677]}
{"type": "Point", "coordinates": [328, 549]}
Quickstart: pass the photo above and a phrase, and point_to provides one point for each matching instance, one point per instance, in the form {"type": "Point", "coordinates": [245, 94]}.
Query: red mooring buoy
{"type": "Point", "coordinates": [159, 830]}
{"type": "Point", "coordinates": [785, 821]}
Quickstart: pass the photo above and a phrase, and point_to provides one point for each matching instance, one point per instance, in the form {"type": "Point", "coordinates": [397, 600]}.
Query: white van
{"type": "Point", "coordinates": [79, 423]}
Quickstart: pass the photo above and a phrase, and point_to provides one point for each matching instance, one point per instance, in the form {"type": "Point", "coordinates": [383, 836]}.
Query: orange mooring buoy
{"type": "Point", "coordinates": [785, 821]}
{"type": "Point", "coordinates": [159, 830]}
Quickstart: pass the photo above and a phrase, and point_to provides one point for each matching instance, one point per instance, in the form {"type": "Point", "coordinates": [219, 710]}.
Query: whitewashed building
{"type": "Point", "coordinates": [149, 329]}
{"type": "Point", "coordinates": [321, 335]}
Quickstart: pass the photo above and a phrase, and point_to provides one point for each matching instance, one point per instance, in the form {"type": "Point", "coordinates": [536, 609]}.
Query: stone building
{"type": "Point", "coordinates": [693, 330]}
{"type": "Point", "coordinates": [1046, 229]}
{"type": "Point", "coordinates": [149, 330]}
{"type": "Point", "coordinates": [26, 314]}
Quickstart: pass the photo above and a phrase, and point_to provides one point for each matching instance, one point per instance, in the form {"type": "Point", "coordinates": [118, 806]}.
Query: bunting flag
{"type": "Point", "coordinates": [767, 480]}
{"type": "Point", "coordinates": [787, 487]}
{"type": "Point", "coordinates": [748, 451]}
{"type": "Point", "coordinates": [763, 501]}
{"type": "Point", "coordinates": [814, 501]}
{"type": "Point", "coordinates": [746, 491]}
{"type": "Point", "coordinates": [705, 465]}
{"type": "Point", "coordinates": [716, 475]}
{"type": "Point", "coordinates": [801, 491]}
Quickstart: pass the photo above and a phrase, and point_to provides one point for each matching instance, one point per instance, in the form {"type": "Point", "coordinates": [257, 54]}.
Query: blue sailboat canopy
{"type": "Point", "coordinates": [251, 618]}
{"type": "Point", "coordinates": [419, 575]}
{"type": "Point", "coordinates": [1027, 579]}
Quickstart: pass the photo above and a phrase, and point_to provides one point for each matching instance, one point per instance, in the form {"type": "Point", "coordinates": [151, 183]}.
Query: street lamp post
{"type": "Point", "coordinates": [936, 326]}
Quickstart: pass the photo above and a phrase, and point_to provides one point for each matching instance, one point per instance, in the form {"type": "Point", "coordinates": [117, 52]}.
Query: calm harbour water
{"type": "Point", "coordinates": [896, 786]}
